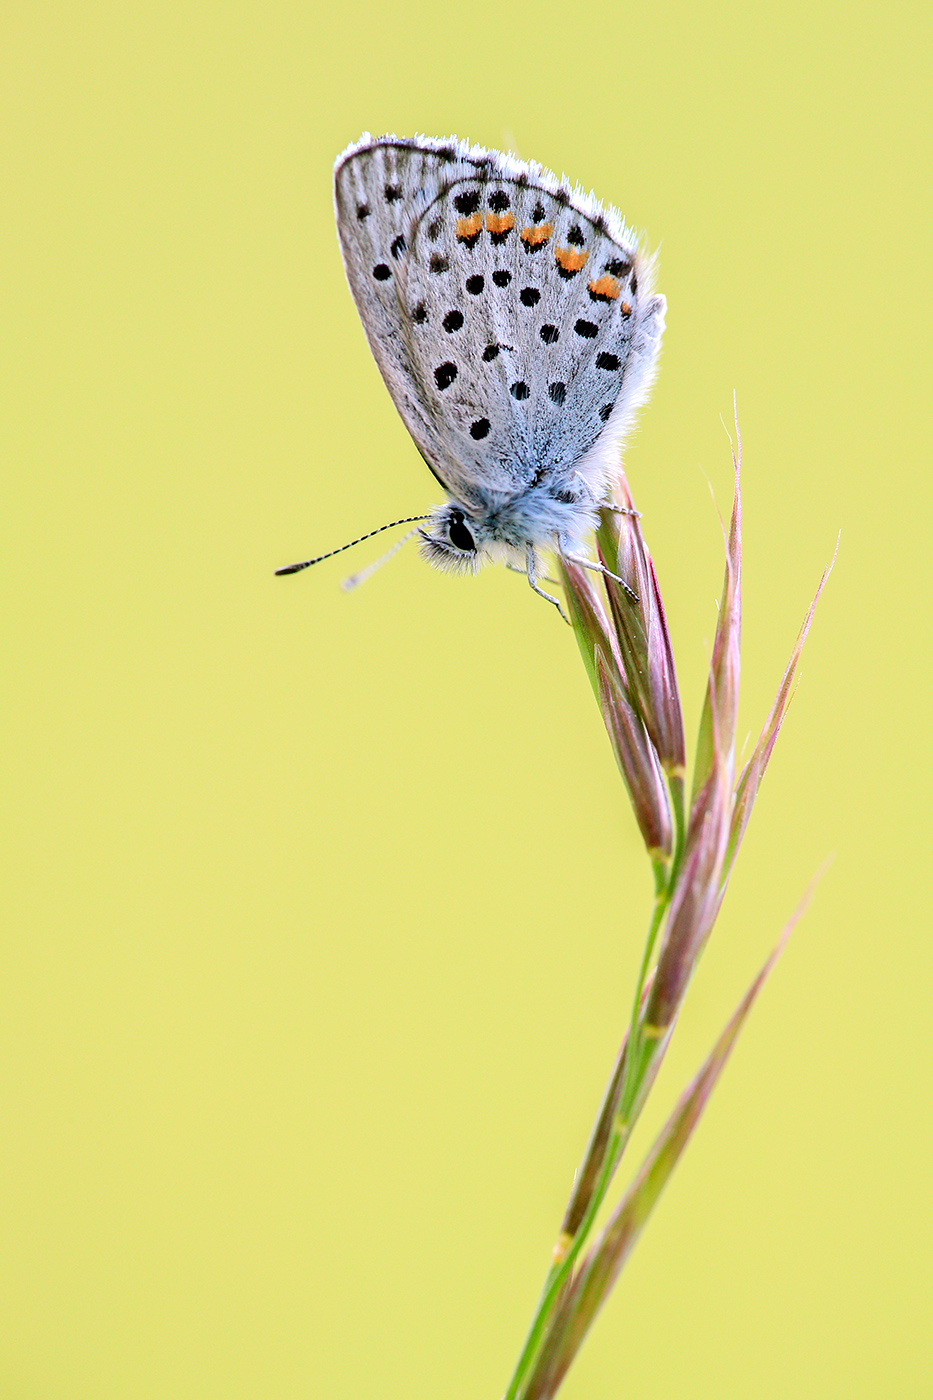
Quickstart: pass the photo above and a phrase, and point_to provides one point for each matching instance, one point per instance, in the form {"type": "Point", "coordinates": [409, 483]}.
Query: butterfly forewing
{"type": "Point", "coordinates": [380, 187]}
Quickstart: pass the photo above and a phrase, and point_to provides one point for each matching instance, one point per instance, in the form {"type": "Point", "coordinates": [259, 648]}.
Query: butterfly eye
{"type": "Point", "coordinates": [458, 534]}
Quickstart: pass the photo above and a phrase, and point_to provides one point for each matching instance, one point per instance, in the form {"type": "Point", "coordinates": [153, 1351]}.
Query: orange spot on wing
{"type": "Point", "coordinates": [571, 259]}
{"type": "Point", "coordinates": [469, 228]}
{"type": "Point", "coordinates": [606, 286]}
{"type": "Point", "coordinates": [537, 233]}
{"type": "Point", "coordinates": [499, 223]}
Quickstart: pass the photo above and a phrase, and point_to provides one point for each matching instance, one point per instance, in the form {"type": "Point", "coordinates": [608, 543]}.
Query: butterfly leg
{"type": "Point", "coordinates": [531, 567]}
{"type": "Point", "coordinates": [514, 569]}
{"type": "Point", "coordinates": [587, 491]}
{"type": "Point", "coordinates": [620, 510]}
{"type": "Point", "coordinates": [601, 569]}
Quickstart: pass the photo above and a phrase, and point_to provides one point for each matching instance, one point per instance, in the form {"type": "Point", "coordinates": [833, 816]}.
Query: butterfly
{"type": "Point", "coordinates": [513, 320]}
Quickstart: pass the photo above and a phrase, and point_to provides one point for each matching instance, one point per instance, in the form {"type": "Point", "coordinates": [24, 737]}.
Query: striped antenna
{"type": "Point", "coordinates": [306, 563]}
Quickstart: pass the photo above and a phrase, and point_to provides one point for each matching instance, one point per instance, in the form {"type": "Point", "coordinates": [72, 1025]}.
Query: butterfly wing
{"type": "Point", "coordinates": [380, 187]}
{"type": "Point", "coordinates": [511, 316]}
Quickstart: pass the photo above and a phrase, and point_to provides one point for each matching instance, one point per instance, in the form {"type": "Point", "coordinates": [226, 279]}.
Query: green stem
{"type": "Point", "coordinates": [675, 783]}
{"type": "Point", "coordinates": [558, 1275]}
{"type": "Point", "coordinates": [560, 1272]}
{"type": "Point", "coordinates": [640, 1056]}
{"type": "Point", "coordinates": [637, 1062]}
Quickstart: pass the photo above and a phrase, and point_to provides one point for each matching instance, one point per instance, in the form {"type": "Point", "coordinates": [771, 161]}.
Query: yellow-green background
{"type": "Point", "coordinates": [322, 912]}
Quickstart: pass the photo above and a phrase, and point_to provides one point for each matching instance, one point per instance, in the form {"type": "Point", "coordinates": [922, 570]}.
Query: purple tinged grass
{"type": "Point", "coordinates": [588, 1290]}
{"type": "Point", "coordinates": [627, 653]}
{"type": "Point", "coordinates": [641, 631]}
{"type": "Point", "coordinates": [754, 770]}
{"type": "Point", "coordinates": [637, 759]}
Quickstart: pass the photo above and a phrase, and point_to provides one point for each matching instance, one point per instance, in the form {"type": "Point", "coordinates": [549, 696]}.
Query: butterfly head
{"type": "Point", "coordinates": [502, 528]}
{"type": "Point", "coordinates": [450, 540]}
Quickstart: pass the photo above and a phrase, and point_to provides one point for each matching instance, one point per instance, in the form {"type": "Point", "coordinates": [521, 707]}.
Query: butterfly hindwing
{"type": "Point", "coordinates": [520, 314]}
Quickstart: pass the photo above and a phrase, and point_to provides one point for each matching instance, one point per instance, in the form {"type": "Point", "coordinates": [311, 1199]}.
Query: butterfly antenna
{"type": "Point", "coordinates": [306, 563]}
{"type": "Point", "coordinates": [363, 575]}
